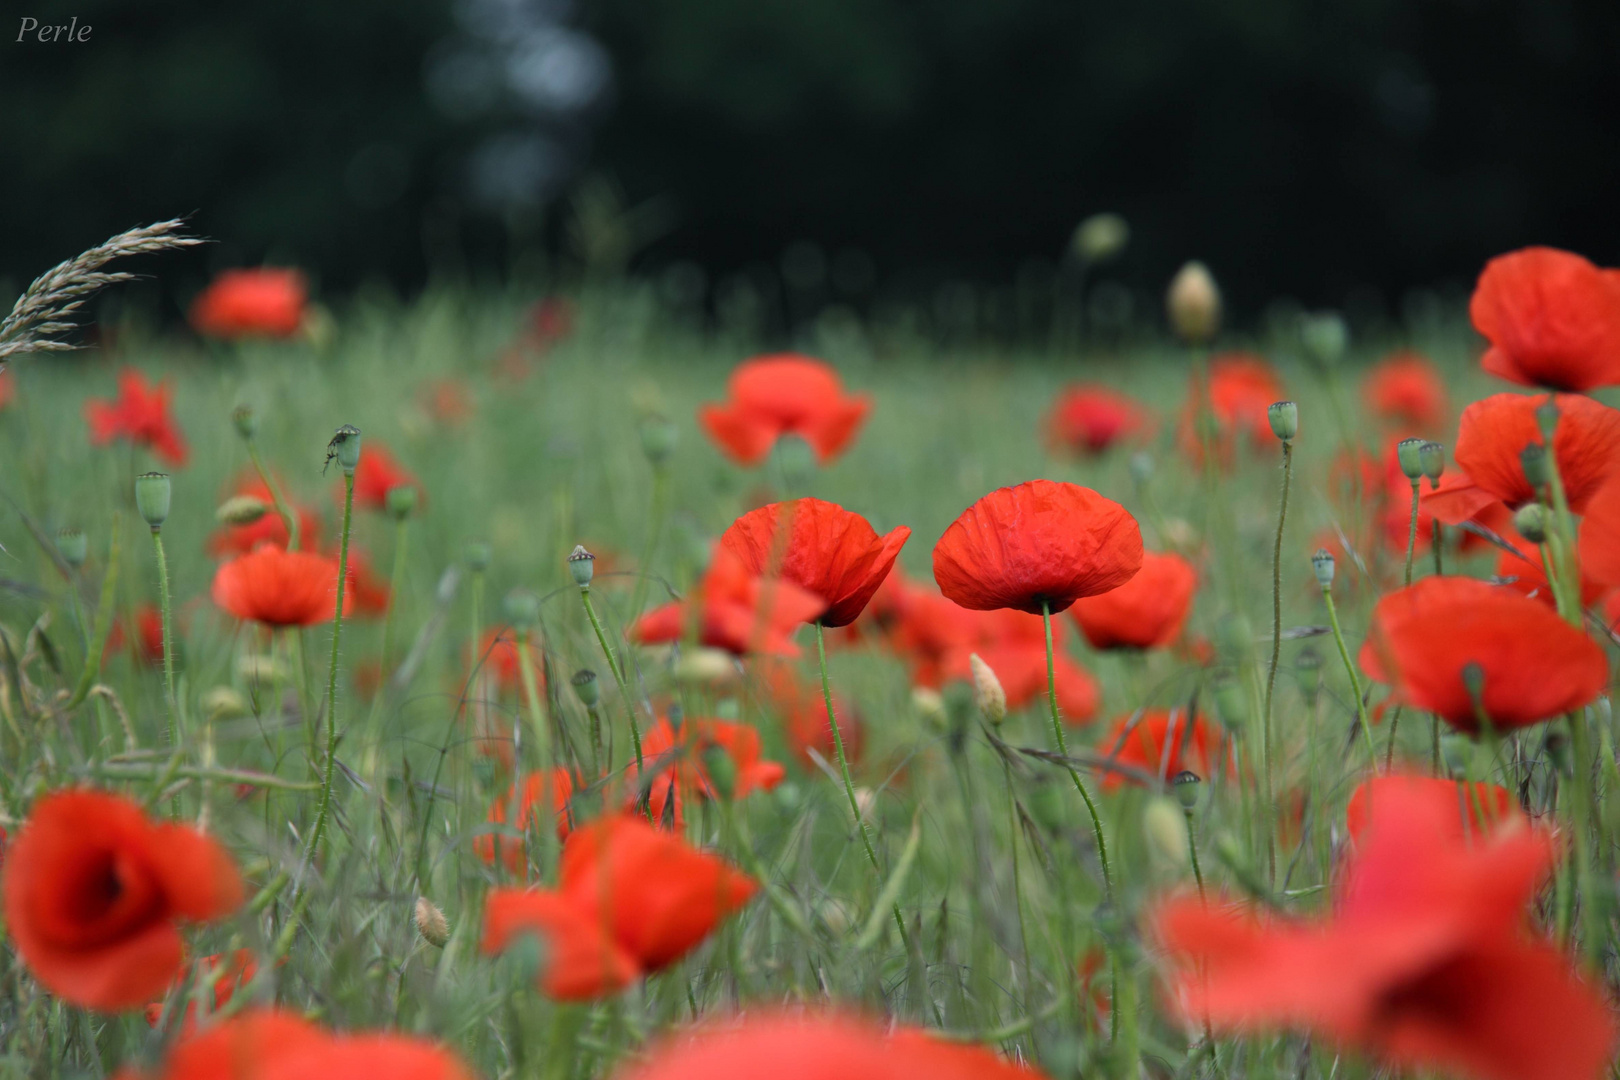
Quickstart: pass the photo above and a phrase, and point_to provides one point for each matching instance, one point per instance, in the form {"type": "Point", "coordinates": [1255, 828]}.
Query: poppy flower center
{"type": "Point", "coordinates": [103, 899]}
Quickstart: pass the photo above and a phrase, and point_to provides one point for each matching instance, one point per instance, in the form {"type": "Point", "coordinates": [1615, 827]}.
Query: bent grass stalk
{"type": "Point", "coordinates": [324, 808]}
{"type": "Point", "coordinates": [1350, 670]}
{"type": "Point", "coordinates": [618, 674]}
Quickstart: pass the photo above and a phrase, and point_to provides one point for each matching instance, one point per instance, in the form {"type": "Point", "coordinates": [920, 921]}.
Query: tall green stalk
{"type": "Point", "coordinates": [613, 666]}
{"type": "Point", "coordinates": [167, 615]}
{"type": "Point", "coordinates": [332, 669]}
{"type": "Point", "coordinates": [1276, 609]}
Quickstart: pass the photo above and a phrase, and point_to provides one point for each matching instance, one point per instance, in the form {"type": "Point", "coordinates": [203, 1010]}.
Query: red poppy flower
{"type": "Point", "coordinates": [1242, 387]}
{"type": "Point", "coordinates": [1423, 964]}
{"type": "Point", "coordinates": [269, 1045]}
{"type": "Point", "coordinates": [676, 766]}
{"type": "Point", "coordinates": [540, 797]}
{"type": "Point", "coordinates": [1599, 539]}
{"type": "Point", "coordinates": [1586, 447]}
{"type": "Point", "coordinates": [377, 474]}
{"type": "Point", "coordinates": [784, 394]}
{"type": "Point", "coordinates": [1013, 644]}
{"type": "Point", "coordinates": [269, 529]}
{"type": "Point", "coordinates": [550, 321]}
{"type": "Point", "coordinates": [580, 961]}
{"type": "Point", "coordinates": [1535, 665]}
{"type": "Point", "coordinates": [1552, 318]}
{"type": "Point", "coordinates": [251, 303]}
{"type": "Point", "coordinates": [1160, 743]}
{"type": "Point", "coordinates": [279, 588]}
{"type": "Point", "coordinates": [93, 892]}
{"type": "Point", "coordinates": [1405, 389]}
{"type": "Point", "coordinates": [1529, 576]}
{"type": "Point", "coordinates": [222, 1051]}
{"type": "Point", "coordinates": [931, 628]}
{"type": "Point", "coordinates": [366, 593]}
{"type": "Point", "coordinates": [448, 402]}
{"type": "Point", "coordinates": [8, 388]}
{"type": "Point", "coordinates": [1464, 812]}
{"type": "Point", "coordinates": [149, 633]}
{"type": "Point", "coordinates": [139, 414]}
{"type": "Point", "coordinates": [1146, 612]}
{"type": "Point", "coordinates": [740, 611]}
{"type": "Point", "coordinates": [1089, 419]}
{"type": "Point", "coordinates": [804, 716]}
{"type": "Point", "coordinates": [222, 975]}
{"type": "Point", "coordinates": [398, 1057]}
{"type": "Point", "coordinates": [1036, 546]}
{"type": "Point", "coordinates": [831, 552]}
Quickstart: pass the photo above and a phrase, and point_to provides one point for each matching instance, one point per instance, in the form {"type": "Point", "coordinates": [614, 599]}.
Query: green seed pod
{"type": "Point", "coordinates": [1284, 417]}
{"type": "Point", "coordinates": [152, 495]}
{"type": "Point", "coordinates": [1322, 564]}
{"type": "Point", "coordinates": [587, 688]}
{"type": "Point", "coordinates": [246, 421]}
{"type": "Point", "coordinates": [1531, 521]}
{"type": "Point", "coordinates": [1325, 337]}
{"type": "Point", "coordinates": [1432, 456]}
{"type": "Point", "coordinates": [658, 438]}
{"type": "Point", "coordinates": [1141, 464]}
{"type": "Point", "coordinates": [721, 770]}
{"type": "Point", "coordinates": [1235, 634]}
{"type": "Point", "coordinates": [400, 501]}
{"type": "Point", "coordinates": [1308, 669]}
{"type": "Point", "coordinates": [1547, 417]}
{"type": "Point", "coordinates": [582, 565]}
{"type": "Point", "coordinates": [1537, 469]}
{"type": "Point", "coordinates": [1410, 453]}
{"type": "Point", "coordinates": [73, 547]}
{"type": "Point", "coordinates": [1164, 827]}
{"type": "Point", "coordinates": [1186, 784]}
{"type": "Point", "coordinates": [522, 608]}
{"type": "Point", "coordinates": [476, 555]}
{"type": "Point", "coordinates": [1473, 680]}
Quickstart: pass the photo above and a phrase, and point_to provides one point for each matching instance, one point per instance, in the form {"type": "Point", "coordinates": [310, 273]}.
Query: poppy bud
{"type": "Point", "coordinates": [73, 546]}
{"type": "Point", "coordinates": [1164, 827]}
{"type": "Point", "coordinates": [706, 667]}
{"type": "Point", "coordinates": [1547, 417]}
{"type": "Point", "coordinates": [344, 448]}
{"type": "Point", "coordinates": [1141, 464]}
{"type": "Point", "coordinates": [1194, 304]}
{"type": "Point", "coordinates": [796, 458]}
{"type": "Point", "coordinates": [1284, 417]}
{"type": "Point", "coordinates": [431, 923]}
{"type": "Point", "coordinates": [721, 770]}
{"type": "Point", "coordinates": [476, 556]}
{"type": "Point", "coordinates": [152, 494]}
{"type": "Point", "coordinates": [1101, 237]}
{"type": "Point", "coordinates": [224, 703]}
{"type": "Point", "coordinates": [1308, 669]}
{"type": "Point", "coordinates": [1432, 456]}
{"type": "Point", "coordinates": [987, 690]}
{"type": "Point", "coordinates": [1410, 454]}
{"type": "Point", "coordinates": [241, 510]}
{"type": "Point", "coordinates": [929, 706]}
{"type": "Point", "coordinates": [582, 565]}
{"type": "Point", "coordinates": [658, 437]}
{"type": "Point", "coordinates": [1229, 703]}
{"type": "Point", "coordinates": [1325, 337]}
{"type": "Point", "coordinates": [1537, 469]}
{"type": "Point", "coordinates": [1531, 521]}
{"type": "Point", "coordinates": [246, 421]}
{"type": "Point", "coordinates": [587, 688]}
{"type": "Point", "coordinates": [1185, 784]}
{"type": "Point", "coordinates": [522, 608]}
{"type": "Point", "coordinates": [400, 501]}
{"type": "Point", "coordinates": [1322, 564]}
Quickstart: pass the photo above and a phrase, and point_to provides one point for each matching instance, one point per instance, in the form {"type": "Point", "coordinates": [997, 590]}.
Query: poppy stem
{"type": "Point", "coordinates": [1063, 748]}
{"type": "Point", "coordinates": [1276, 610]}
{"type": "Point", "coordinates": [168, 652]}
{"type": "Point", "coordinates": [542, 738]}
{"type": "Point", "coordinates": [1435, 544]}
{"type": "Point", "coordinates": [1350, 669]}
{"type": "Point", "coordinates": [324, 810]}
{"type": "Point", "coordinates": [289, 520]}
{"type": "Point", "coordinates": [1411, 532]}
{"type": "Point", "coordinates": [613, 666]}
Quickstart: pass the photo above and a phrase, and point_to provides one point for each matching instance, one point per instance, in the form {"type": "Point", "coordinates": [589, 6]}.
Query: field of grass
{"type": "Point", "coordinates": [986, 852]}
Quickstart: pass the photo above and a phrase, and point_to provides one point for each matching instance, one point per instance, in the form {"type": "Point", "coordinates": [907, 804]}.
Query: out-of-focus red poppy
{"type": "Point", "coordinates": [883, 612]}
{"type": "Point", "coordinates": [1494, 431]}
{"type": "Point", "coordinates": [550, 321]}
{"type": "Point", "coordinates": [1087, 419]}
{"type": "Point", "coordinates": [366, 593]}
{"type": "Point", "coordinates": [1160, 743]}
{"type": "Point", "coordinates": [541, 796]}
{"type": "Point", "coordinates": [262, 302]}
{"type": "Point", "coordinates": [377, 474]}
{"type": "Point", "coordinates": [784, 394]}
{"type": "Point", "coordinates": [678, 760]}
{"type": "Point", "coordinates": [1405, 389]}
{"type": "Point", "coordinates": [222, 975]}
{"type": "Point", "coordinates": [221, 1051]}
{"type": "Point", "coordinates": [740, 612]}
{"type": "Point", "coordinates": [498, 654]}
{"type": "Point", "coordinates": [1146, 612]}
{"type": "Point", "coordinates": [580, 960]}
{"type": "Point", "coordinates": [94, 892]}
{"type": "Point", "coordinates": [1529, 576]}
{"type": "Point", "coordinates": [1036, 546]}
{"type": "Point", "coordinates": [1241, 388]}
{"type": "Point", "coordinates": [804, 716]}
{"type": "Point", "coordinates": [140, 414]}
{"type": "Point", "coordinates": [149, 633]}
{"type": "Point", "coordinates": [1534, 665]}
{"type": "Point", "coordinates": [831, 552]}
{"type": "Point", "coordinates": [269, 529]}
{"type": "Point", "coordinates": [1552, 318]}
{"type": "Point", "coordinates": [1599, 538]}
{"type": "Point", "coordinates": [271, 1045]}
{"type": "Point", "coordinates": [447, 402]}
{"type": "Point", "coordinates": [1424, 962]}
{"type": "Point", "coordinates": [1013, 644]}
{"type": "Point", "coordinates": [8, 387]}
{"type": "Point", "coordinates": [279, 588]}
{"type": "Point", "coordinates": [1471, 809]}
{"type": "Point", "coordinates": [930, 628]}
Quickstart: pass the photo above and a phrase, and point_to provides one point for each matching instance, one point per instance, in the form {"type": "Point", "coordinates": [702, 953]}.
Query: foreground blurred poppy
{"type": "Point", "coordinates": [1463, 809]}
{"type": "Point", "coordinates": [377, 474]}
{"type": "Point", "coordinates": [542, 796]}
{"type": "Point", "coordinates": [269, 529]}
{"type": "Point", "coordinates": [1088, 419]}
{"type": "Point", "coordinates": [1159, 743]}
{"type": "Point", "coordinates": [1405, 389]}
{"type": "Point", "coordinates": [279, 588]}
{"type": "Point", "coordinates": [222, 975]}
{"type": "Point", "coordinates": [1241, 388]}
{"type": "Point", "coordinates": [831, 552]}
{"type": "Point", "coordinates": [740, 612]}
{"type": "Point", "coordinates": [1424, 963]}
{"type": "Point", "coordinates": [1146, 612]}
{"type": "Point", "coordinates": [1552, 318]}
{"type": "Point", "coordinates": [1036, 547]}
{"type": "Point", "coordinates": [94, 892]}
{"type": "Point", "coordinates": [580, 960]}
{"type": "Point", "coordinates": [1533, 664]}
{"type": "Point", "coordinates": [784, 394]}
{"type": "Point", "coordinates": [251, 303]}
{"type": "Point", "coordinates": [1493, 432]}
{"type": "Point", "coordinates": [139, 414]}
{"type": "Point", "coordinates": [1599, 540]}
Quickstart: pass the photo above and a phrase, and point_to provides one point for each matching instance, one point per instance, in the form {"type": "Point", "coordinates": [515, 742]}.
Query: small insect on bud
{"type": "Point", "coordinates": [582, 565]}
{"type": "Point", "coordinates": [658, 437]}
{"type": "Point", "coordinates": [400, 501]}
{"type": "Point", "coordinates": [1284, 417]}
{"type": "Point", "coordinates": [1186, 784]}
{"type": "Point", "coordinates": [73, 546]}
{"type": "Point", "coordinates": [1193, 304]}
{"type": "Point", "coordinates": [522, 608]}
{"type": "Point", "coordinates": [1325, 337]}
{"type": "Point", "coordinates": [431, 923]}
{"type": "Point", "coordinates": [1531, 521]}
{"type": "Point", "coordinates": [1101, 237]}
{"type": "Point", "coordinates": [1322, 564]}
{"type": "Point", "coordinates": [1410, 454]}
{"type": "Point", "coordinates": [344, 448]}
{"type": "Point", "coordinates": [988, 694]}
{"type": "Point", "coordinates": [152, 495]}
{"type": "Point", "coordinates": [1164, 827]}
{"type": "Point", "coordinates": [1537, 468]}
{"type": "Point", "coordinates": [1141, 465]}
{"type": "Point", "coordinates": [1432, 456]}
{"type": "Point", "coordinates": [476, 555]}
{"type": "Point", "coordinates": [721, 769]}
{"type": "Point", "coordinates": [246, 421]}
{"type": "Point", "coordinates": [586, 688]}
{"type": "Point", "coordinates": [1308, 670]}
{"type": "Point", "coordinates": [241, 510]}
{"type": "Point", "coordinates": [1547, 417]}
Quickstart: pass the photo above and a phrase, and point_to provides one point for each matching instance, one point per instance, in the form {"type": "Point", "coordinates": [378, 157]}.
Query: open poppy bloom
{"type": "Point", "coordinates": [784, 394]}
{"type": "Point", "coordinates": [1533, 665]}
{"type": "Point", "coordinates": [1160, 744]}
{"type": "Point", "coordinates": [831, 552]}
{"type": "Point", "coordinates": [279, 588]}
{"type": "Point", "coordinates": [1405, 389]}
{"type": "Point", "coordinates": [930, 628]}
{"type": "Point", "coordinates": [1494, 431]}
{"type": "Point", "coordinates": [269, 529]}
{"type": "Point", "coordinates": [1088, 419]}
{"type": "Point", "coordinates": [1147, 612]}
{"type": "Point", "coordinates": [1599, 538]}
{"type": "Point", "coordinates": [251, 303]}
{"type": "Point", "coordinates": [542, 796]}
{"type": "Point", "coordinates": [1013, 644]}
{"type": "Point", "coordinates": [1552, 318]}
{"type": "Point", "coordinates": [94, 892]}
{"type": "Point", "coordinates": [677, 764]}
{"type": "Point", "coordinates": [1036, 547]}
{"type": "Point", "coordinates": [1424, 963]}
{"type": "Point", "coordinates": [377, 474]}
{"type": "Point", "coordinates": [1241, 388]}
{"type": "Point", "coordinates": [139, 414]}
{"type": "Point", "coordinates": [741, 612]}
{"type": "Point", "coordinates": [581, 959]}
{"type": "Point", "coordinates": [1464, 809]}
{"type": "Point", "coordinates": [223, 976]}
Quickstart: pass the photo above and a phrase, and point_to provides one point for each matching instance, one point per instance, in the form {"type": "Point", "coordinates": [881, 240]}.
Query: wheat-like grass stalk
{"type": "Point", "coordinates": [42, 312]}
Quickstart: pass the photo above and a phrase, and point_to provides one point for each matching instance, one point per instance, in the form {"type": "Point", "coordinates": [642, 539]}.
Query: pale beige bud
{"type": "Point", "coordinates": [241, 510]}
{"type": "Point", "coordinates": [1194, 304]}
{"type": "Point", "coordinates": [1164, 827]}
{"type": "Point", "coordinates": [224, 703]}
{"type": "Point", "coordinates": [865, 801]}
{"type": "Point", "coordinates": [1100, 237]}
{"type": "Point", "coordinates": [706, 667]}
{"type": "Point", "coordinates": [929, 705]}
{"type": "Point", "coordinates": [256, 667]}
{"type": "Point", "coordinates": [431, 923]}
{"type": "Point", "coordinates": [988, 694]}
